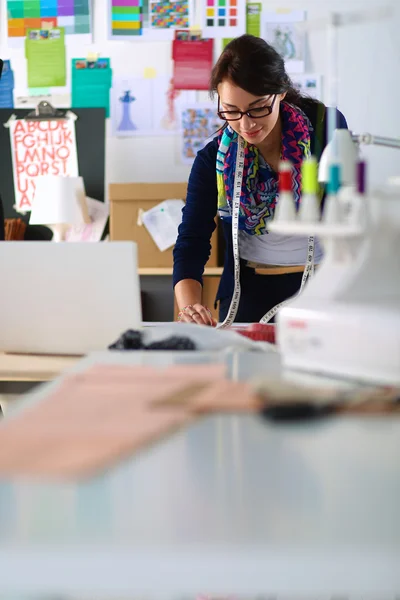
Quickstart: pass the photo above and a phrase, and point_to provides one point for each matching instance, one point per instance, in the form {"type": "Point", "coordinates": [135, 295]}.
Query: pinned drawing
{"type": "Point", "coordinates": [170, 118]}
{"type": "Point", "coordinates": [199, 124]}
{"type": "Point", "coordinates": [283, 40]}
{"type": "Point", "coordinates": [282, 32]}
{"type": "Point", "coordinates": [126, 123]}
{"type": "Point", "coordinates": [146, 106]}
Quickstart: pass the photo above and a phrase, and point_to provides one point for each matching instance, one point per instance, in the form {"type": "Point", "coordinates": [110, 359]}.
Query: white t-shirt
{"type": "Point", "coordinates": [277, 249]}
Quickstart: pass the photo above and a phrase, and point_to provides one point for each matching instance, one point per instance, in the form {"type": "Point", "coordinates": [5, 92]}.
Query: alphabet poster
{"type": "Point", "coordinates": [40, 148]}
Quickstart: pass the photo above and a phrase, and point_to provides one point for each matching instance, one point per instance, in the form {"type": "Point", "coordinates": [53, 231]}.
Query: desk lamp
{"type": "Point", "coordinates": [59, 202]}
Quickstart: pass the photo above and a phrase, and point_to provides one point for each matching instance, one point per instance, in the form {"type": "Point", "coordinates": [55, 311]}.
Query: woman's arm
{"type": "Point", "coordinates": [192, 248]}
{"type": "Point", "coordinates": [188, 293]}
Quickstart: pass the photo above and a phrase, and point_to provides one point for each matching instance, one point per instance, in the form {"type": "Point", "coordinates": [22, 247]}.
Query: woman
{"type": "Point", "coordinates": [258, 103]}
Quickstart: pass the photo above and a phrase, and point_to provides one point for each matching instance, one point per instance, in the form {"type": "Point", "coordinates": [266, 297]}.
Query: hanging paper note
{"type": "Point", "coordinates": [7, 86]}
{"type": "Point", "coordinates": [73, 15]}
{"type": "Point", "coordinates": [91, 83]}
{"type": "Point", "coordinates": [45, 53]}
{"type": "Point", "coordinates": [125, 18]}
{"type": "Point", "coordinates": [40, 148]}
{"type": "Point", "coordinates": [162, 222]}
{"type": "Point", "coordinates": [253, 18]}
{"type": "Point", "coordinates": [223, 18]}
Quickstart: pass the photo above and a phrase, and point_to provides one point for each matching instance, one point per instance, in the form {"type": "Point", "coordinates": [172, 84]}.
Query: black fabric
{"type": "Point", "coordinates": [260, 293]}
{"type": "Point", "coordinates": [39, 233]}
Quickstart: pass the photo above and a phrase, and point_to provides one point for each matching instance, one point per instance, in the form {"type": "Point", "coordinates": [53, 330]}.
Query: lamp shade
{"type": "Point", "coordinates": [343, 151]}
{"type": "Point", "coordinates": [59, 200]}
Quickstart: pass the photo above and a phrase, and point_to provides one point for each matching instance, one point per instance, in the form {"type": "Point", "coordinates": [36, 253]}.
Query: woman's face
{"type": "Point", "coordinates": [253, 129]}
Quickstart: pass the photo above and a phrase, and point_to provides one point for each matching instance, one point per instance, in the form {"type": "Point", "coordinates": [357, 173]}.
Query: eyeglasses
{"type": "Point", "coordinates": [254, 113]}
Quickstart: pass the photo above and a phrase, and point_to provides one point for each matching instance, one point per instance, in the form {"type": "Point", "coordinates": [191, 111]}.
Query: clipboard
{"type": "Point", "coordinates": [90, 142]}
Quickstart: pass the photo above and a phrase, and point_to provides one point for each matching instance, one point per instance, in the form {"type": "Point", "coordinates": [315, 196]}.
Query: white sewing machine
{"type": "Point", "coordinates": [346, 322]}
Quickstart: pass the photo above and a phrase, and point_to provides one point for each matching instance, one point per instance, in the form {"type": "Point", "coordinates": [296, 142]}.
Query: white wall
{"type": "Point", "coordinates": [369, 86]}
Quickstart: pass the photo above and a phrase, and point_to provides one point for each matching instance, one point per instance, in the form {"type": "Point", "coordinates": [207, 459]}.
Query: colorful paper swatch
{"type": "Point", "coordinates": [45, 54]}
{"type": "Point", "coordinates": [73, 15]}
{"type": "Point", "coordinates": [164, 14]}
{"type": "Point", "coordinates": [91, 83]}
{"type": "Point", "coordinates": [126, 18]}
{"type": "Point", "coordinates": [223, 18]}
{"type": "Point", "coordinates": [253, 18]}
{"type": "Point", "coordinates": [193, 61]}
{"type": "Point", "coordinates": [7, 86]}
{"type": "Point", "coordinates": [221, 13]}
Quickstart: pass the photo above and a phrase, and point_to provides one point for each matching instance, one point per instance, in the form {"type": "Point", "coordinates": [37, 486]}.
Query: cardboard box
{"type": "Point", "coordinates": [127, 201]}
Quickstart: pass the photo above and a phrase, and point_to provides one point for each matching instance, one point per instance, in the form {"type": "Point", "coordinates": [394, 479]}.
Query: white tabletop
{"type": "Point", "coordinates": [230, 505]}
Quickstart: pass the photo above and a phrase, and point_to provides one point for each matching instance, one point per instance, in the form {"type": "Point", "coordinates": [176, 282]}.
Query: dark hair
{"type": "Point", "coordinates": [256, 67]}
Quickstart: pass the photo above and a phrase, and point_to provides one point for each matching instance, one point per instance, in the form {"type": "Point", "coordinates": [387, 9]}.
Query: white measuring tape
{"type": "Point", "coordinates": [309, 267]}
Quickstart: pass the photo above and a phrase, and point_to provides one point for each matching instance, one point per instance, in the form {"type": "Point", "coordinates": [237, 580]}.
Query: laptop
{"type": "Point", "coordinates": [67, 298]}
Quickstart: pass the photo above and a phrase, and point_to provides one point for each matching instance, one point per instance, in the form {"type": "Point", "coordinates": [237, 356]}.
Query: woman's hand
{"type": "Point", "coordinates": [197, 313]}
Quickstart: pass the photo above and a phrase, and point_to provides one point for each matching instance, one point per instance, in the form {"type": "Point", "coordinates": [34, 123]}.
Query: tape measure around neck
{"type": "Point", "coordinates": [237, 191]}
{"type": "Point", "coordinates": [308, 272]}
{"type": "Point", "coordinates": [309, 268]}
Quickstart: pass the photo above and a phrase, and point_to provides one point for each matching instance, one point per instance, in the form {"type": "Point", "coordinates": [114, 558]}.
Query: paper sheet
{"type": "Point", "coordinates": [73, 15]}
{"type": "Point", "coordinates": [253, 18]}
{"type": "Point", "coordinates": [279, 30]}
{"type": "Point", "coordinates": [308, 84]}
{"type": "Point", "coordinates": [26, 99]}
{"type": "Point", "coordinates": [152, 20]}
{"type": "Point", "coordinates": [193, 61]}
{"type": "Point", "coordinates": [91, 83]}
{"type": "Point", "coordinates": [200, 123]}
{"type": "Point", "coordinates": [7, 86]}
{"type": "Point", "coordinates": [146, 106]}
{"type": "Point", "coordinates": [40, 148]}
{"type": "Point", "coordinates": [125, 19]}
{"type": "Point", "coordinates": [162, 222]}
{"type": "Point", "coordinates": [45, 54]}
{"type": "Point", "coordinates": [223, 18]}
{"type": "Point", "coordinates": [91, 232]}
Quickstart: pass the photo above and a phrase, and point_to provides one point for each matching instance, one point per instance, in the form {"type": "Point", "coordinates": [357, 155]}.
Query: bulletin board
{"type": "Point", "coordinates": [90, 141]}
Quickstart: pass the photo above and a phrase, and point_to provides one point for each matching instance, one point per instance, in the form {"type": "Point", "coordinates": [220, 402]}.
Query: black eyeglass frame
{"type": "Point", "coordinates": [248, 113]}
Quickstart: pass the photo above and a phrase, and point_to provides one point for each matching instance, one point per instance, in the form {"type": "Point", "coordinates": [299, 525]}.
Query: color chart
{"type": "Point", "coordinates": [223, 18]}
{"type": "Point", "coordinates": [73, 15]}
{"type": "Point", "coordinates": [126, 18]}
{"type": "Point", "coordinates": [166, 14]}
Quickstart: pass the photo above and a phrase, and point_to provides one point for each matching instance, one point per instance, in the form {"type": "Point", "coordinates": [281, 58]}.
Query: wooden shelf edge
{"type": "Point", "coordinates": [168, 271]}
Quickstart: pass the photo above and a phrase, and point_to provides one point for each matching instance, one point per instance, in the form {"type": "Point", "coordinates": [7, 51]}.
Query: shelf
{"type": "Point", "coordinates": [168, 271]}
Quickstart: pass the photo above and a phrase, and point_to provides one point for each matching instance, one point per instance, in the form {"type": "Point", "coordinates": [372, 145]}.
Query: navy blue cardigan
{"type": "Point", "coordinates": [192, 248]}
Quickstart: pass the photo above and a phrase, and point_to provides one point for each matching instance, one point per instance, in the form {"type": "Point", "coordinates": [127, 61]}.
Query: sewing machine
{"type": "Point", "coordinates": [346, 322]}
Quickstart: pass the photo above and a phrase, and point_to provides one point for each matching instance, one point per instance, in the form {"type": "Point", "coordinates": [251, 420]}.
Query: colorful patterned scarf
{"type": "Point", "coordinates": [260, 183]}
